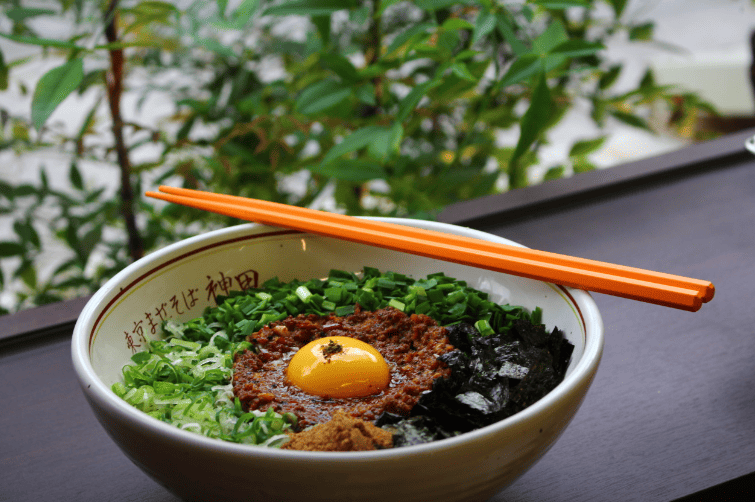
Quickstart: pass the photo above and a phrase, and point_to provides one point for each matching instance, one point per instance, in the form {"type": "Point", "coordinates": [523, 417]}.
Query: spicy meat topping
{"type": "Point", "coordinates": [410, 345]}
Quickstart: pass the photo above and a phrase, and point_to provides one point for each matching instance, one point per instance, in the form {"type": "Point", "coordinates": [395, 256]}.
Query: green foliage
{"type": "Point", "coordinates": [393, 107]}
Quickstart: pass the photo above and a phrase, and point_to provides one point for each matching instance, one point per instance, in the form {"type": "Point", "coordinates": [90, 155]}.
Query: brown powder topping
{"type": "Point", "coordinates": [341, 433]}
{"type": "Point", "coordinates": [410, 345]}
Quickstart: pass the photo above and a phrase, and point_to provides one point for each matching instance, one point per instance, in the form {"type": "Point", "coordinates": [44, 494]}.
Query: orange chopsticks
{"type": "Point", "coordinates": [626, 282]}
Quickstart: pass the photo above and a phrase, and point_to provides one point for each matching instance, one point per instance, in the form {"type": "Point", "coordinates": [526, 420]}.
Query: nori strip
{"type": "Point", "coordinates": [492, 377]}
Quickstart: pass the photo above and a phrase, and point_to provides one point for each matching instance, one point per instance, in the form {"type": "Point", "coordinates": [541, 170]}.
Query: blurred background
{"type": "Point", "coordinates": [383, 107]}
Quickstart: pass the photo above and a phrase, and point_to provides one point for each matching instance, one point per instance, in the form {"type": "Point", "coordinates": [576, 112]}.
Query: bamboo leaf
{"type": "Point", "coordinates": [321, 96]}
{"type": "Point", "coordinates": [53, 88]}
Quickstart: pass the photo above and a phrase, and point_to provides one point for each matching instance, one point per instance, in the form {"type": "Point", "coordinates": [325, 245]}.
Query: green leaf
{"type": "Point", "coordinates": [354, 170]}
{"type": "Point", "coordinates": [466, 54]}
{"type": "Point", "coordinates": [27, 273]}
{"type": "Point", "coordinates": [415, 33]}
{"type": "Point", "coordinates": [53, 88]}
{"type": "Point", "coordinates": [366, 94]}
{"type": "Point", "coordinates": [26, 232]}
{"type": "Point", "coordinates": [582, 148]}
{"type": "Point", "coordinates": [74, 175]}
{"type": "Point", "coordinates": [89, 241]}
{"type": "Point", "coordinates": [535, 118]}
{"type": "Point", "coordinates": [561, 4]}
{"type": "Point", "coordinates": [618, 6]}
{"type": "Point", "coordinates": [353, 142]}
{"type": "Point", "coordinates": [4, 72]}
{"type": "Point", "coordinates": [460, 70]}
{"type": "Point", "coordinates": [9, 248]}
{"type": "Point", "coordinates": [577, 48]}
{"type": "Point", "coordinates": [455, 23]}
{"type": "Point", "coordinates": [24, 190]}
{"type": "Point", "coordinates": [340, 65]}
{"type": "Point", "coordinates": [608, 78]}
{"type": "Point", "coordinates": [433, 5]}
{"type": "Point", "coordinates": [309, 7]}
{"type": "Point", "coordinates": [554, 173]}
{"type": "Point", "coordinates": [43, 180]}
{"type": "Point", "coordinates": [582, 166]}
{"type": "Point", "coordinates": [222, 7]}
{"type": "Point", "coordinates": [484, 24]}
{"type": "Point", "coordinates": [215, 46]}
{"type": "Point", "coordinates": [321, 96]}
{"type": "Point", "coordinates": [20, 14]}
{"type": "Point", "coordinates": [323, 29]}
{"type": "Point", "coordinates": [411, 100]}
{"type": "Point", "coordinates": [642, 32]}
{"type": "Point", "coordinates": [647, 81]}
{"type": "Point", "coordinates": [386, 143]}
{"type": "Point", "coordinates": [244, 12]}
{"type": "Point", "coordinates": [520, 70]}
{"type": "Point", "coordinates": [44, 42]}
{"type": "Point", "coordinates": [553, 36]}
{"type": "Point", "coordinates": [632, 120]}
{"type": "Point", "coordinates": [150, 11]}
{"type": "Point", "coordinates": [507, 32]}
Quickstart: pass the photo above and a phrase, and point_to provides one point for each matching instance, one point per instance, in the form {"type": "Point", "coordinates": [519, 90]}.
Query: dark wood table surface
{"type": "Point", "coordinates": [671, 413]}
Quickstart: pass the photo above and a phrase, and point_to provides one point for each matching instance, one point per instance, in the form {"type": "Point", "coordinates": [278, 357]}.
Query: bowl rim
{"type": "Point", "coordinates": [96, 390]}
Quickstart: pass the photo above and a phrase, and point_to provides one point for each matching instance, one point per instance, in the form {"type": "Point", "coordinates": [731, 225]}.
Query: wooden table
{"type": "Point", "coordinates": [671, 413]}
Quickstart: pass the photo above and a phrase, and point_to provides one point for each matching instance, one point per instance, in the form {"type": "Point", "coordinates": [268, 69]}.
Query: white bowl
{"type": "Point", "coordinates": [177, 282]}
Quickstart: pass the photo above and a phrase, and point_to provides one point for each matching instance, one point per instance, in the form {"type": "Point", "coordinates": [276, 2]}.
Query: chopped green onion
{"type": "Point", "coordinates": [484, 327]}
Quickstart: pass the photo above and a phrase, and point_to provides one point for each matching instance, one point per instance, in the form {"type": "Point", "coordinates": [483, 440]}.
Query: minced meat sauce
{"type": "Point", "coordinates": [409, 344]}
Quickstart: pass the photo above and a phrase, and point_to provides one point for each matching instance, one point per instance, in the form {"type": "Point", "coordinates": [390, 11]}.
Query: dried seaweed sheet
{"type": "Point", "coordinates": [492, 377]}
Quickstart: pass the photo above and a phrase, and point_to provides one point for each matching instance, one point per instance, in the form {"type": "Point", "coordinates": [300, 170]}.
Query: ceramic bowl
{"type": "Point", "coordinates": [180, 280]}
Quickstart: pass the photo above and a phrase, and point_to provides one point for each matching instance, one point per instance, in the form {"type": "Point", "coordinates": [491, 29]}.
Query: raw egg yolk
{"type": "Point", "coordinates": [339, 367]}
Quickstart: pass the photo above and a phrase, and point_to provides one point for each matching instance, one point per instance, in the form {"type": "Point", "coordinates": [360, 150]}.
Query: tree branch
{"type": "Point", "coordinates": [115, 90]}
